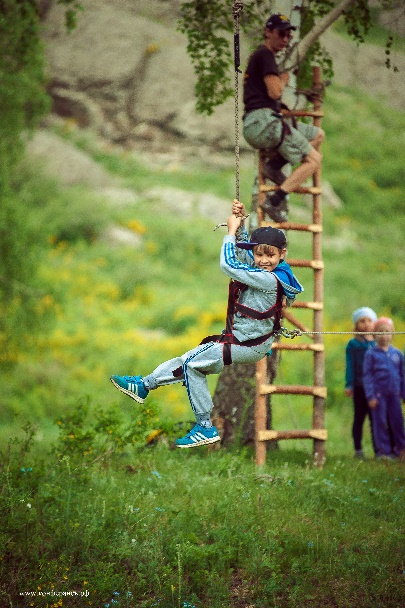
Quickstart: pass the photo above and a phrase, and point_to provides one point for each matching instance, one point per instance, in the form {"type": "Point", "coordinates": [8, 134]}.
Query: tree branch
{"type": "Point", "coordinates": [298, 52]}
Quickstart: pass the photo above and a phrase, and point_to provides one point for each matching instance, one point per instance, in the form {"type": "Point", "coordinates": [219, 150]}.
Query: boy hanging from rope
{"type": "Point", "coordinates": [261, 283]}
{"type": "Point", "coordinates": [266, 128]}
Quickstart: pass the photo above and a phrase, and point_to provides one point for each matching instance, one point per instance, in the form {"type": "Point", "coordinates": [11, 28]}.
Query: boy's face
{"type": "Point", "coordinates": [383, 341]}
{"type": "Point", "coordinates": [268, 257]}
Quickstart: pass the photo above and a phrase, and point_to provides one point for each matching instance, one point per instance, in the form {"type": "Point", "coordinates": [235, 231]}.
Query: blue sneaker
{"type": "Point", "coordinates": [131, 386]}
{"type": "Point", "coordinates": [199, 435]}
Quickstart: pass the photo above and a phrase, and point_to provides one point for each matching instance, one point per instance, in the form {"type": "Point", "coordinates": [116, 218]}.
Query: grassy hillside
{"type": "Point", "coordinates": [118, 309]}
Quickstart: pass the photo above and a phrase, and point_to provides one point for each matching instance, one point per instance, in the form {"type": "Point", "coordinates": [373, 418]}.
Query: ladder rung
{"type": "Point", "coordinates": [271, 389]}
{"type": "Point", "coordinates": [314, 113]}
{"type": "Point", "coordinates": [298, 190]}
{"type": "Point", "coordinates": [311, 305]}
{"type": "Point", "coordinates": [294, 226]}
{"type": "Point", "coordinates": [315, 264]}
{"type": "Point", "coordinates": [283, 346]}
{"type": "Point", "coordinates": [269, 435]}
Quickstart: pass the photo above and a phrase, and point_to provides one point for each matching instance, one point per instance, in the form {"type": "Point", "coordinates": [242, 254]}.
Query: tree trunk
{"type": "Point", "coordinates": [234, 402]}
{"type": "Point", "coordinates": [299, 51]}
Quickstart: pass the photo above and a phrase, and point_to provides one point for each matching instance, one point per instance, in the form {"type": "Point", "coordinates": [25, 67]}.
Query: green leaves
{"type": "Point", "coordinates": [209, 51]}
{"type": "Point", "coordinates": [209, 25]}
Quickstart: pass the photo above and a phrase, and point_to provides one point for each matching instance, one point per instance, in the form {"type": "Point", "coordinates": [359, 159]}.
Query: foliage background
{"type": "Point", "coordinates": [122, 310]}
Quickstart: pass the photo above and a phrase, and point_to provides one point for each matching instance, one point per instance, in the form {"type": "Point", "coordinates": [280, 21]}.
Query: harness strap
{"type": "Point", "coordinates": [286, 129]}
{"type": "Point", "coordinates": [227, 340]}
{"type": "Point", "coordinates": [256, 314]}
{"type": "Point", "coordinates": [235, 289]}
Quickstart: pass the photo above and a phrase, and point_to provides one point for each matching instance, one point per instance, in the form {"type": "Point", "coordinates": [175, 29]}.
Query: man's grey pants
{"type": "Point", "coordinates": [196, 365]}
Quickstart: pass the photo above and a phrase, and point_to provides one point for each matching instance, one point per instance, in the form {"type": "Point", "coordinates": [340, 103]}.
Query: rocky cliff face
{"type": "Point", "coordinates": [124, 72]}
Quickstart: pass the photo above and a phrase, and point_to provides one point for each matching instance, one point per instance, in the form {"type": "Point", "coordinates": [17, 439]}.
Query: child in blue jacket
{"type": "Point", "coordinates": [363, 319]}
{"type": "Point", "coordinates": [384, 385]}
{"type": "Point", "coordinates": [261, 282]}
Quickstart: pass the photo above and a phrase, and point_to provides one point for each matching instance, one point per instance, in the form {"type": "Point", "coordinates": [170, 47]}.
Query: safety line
{"type": "Point", "coordinates": [287, 333]}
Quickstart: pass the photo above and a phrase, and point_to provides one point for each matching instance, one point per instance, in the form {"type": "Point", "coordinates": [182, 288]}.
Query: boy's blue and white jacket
{"type": "Point", "coordinates": [261, 294]}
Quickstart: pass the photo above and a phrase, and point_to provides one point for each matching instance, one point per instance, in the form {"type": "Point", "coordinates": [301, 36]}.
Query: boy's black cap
{"type": "Point", "coordinates": [279, 22]}
{"type": "Point", "coordinates": [265, 236]}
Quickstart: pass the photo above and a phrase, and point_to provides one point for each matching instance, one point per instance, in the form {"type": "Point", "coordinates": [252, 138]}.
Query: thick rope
{"type": "Point", "coordinates": [236, 11]}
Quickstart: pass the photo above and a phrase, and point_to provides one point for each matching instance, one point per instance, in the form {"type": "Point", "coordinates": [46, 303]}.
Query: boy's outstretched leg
{"type": "Point", "coordinates": [184, 369]}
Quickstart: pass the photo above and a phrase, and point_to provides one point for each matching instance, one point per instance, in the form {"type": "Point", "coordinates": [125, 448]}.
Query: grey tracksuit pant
{"type": "Point", "coordinates": [196, 365]}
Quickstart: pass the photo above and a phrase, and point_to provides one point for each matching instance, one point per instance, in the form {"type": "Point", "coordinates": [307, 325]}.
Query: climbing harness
{"type": "Point", "coordinates": [227, 338]}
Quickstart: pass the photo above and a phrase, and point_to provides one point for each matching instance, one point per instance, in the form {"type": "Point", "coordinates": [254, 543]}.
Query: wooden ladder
{"type": "Point", "coordinates": [318, 390]}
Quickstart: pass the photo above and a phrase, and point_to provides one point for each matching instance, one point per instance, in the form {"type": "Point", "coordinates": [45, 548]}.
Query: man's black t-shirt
{"type": "Point", "coordinates": [261, 63]}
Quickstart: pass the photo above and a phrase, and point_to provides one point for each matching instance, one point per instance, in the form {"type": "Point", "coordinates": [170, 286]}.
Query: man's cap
{"type": "Point", "coordinates": [279, 22]}
{"type": "Point", "coordinates": [265, 236]}
{"type": "Point", "coordinates": [364, 312]}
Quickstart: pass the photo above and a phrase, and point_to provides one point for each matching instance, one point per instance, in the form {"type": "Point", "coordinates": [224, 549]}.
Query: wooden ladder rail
{"type": "Point", "coordinates": [318, 391]}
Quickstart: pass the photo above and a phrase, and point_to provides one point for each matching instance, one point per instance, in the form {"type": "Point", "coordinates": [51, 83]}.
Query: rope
{"type": "Point", "coordinates": [236, 11]}
{"type": "Point", "coordinates": [293, 333]}
{"type": "Point", "coordinates": [225, 224]}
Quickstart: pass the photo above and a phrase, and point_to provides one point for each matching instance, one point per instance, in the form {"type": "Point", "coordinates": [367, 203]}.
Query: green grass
{"type": "Point", "coordinates": [153, 527]}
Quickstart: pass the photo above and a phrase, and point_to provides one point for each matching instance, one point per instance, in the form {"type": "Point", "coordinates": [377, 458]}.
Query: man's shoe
{"type": "Point", "coordinates": [131, 386]}
{"type": "Point", "coordinates": [199, 435]}
{"type": "Point", "coordinates": [275, 208]}
{"type": "Point", "coordinates": [274, 175]}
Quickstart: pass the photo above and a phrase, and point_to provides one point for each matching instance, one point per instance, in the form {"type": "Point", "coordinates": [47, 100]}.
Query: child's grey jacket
{"type": "Point", "coordinates": [261, 294]}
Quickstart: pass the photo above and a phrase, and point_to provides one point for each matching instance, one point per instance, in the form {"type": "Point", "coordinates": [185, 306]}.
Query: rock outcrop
{"type": "Point", "coordinates": [125, 73]}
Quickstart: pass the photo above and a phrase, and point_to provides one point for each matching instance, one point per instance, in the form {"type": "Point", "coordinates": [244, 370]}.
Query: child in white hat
{"type": "Point", "coordinates": [363, 319]}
